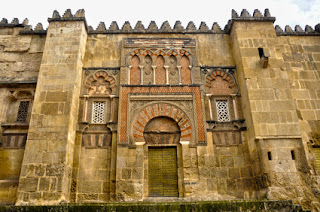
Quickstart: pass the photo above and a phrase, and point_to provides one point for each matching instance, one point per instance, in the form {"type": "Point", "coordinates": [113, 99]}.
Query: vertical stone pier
{"type": "Point", "coordinates": [269, 108]}
{"type": "Point", "coordinates": [46, 170]}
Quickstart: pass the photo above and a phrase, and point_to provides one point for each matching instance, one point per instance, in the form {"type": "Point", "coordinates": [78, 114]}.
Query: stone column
{"type": "Point", "coordinates": [47, 164]}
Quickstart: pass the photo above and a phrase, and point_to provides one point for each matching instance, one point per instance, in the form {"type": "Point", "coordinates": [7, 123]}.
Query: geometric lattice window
{"type": "Point", "coordinates": [23, 111]}
{"type": "Point", "coordinates": [98, 112]}
{"type": "Point", "coordinates": [223, 110]}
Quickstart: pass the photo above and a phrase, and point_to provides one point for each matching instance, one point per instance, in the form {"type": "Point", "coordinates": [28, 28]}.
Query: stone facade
{"type": "Point", "coordinates": [159, 114]}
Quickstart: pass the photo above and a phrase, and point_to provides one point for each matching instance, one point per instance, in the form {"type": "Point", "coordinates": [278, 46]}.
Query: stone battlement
{"type": "Point", "coordinates": [159, 113]}
{"type": "Point", "coordinates": [165, 27]}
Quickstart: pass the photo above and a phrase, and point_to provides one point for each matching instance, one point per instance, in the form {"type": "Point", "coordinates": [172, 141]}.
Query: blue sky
{"type": "Point", "coordinates": [287, 12]}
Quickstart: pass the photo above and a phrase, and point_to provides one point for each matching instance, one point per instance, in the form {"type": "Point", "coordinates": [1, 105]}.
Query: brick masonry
{"type": "Point", "coordinates": [159, 90]}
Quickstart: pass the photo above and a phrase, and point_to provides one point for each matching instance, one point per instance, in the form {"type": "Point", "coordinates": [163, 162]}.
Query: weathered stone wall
{"type": "Point", "coordinates": [20, 55]}
{"type": "Point", "coordinates": [227, 170]}
{"type": "Point", "coordinates": [11, 152]}
{"type": "Point", "coordinates": [269, 79]}
{"type": "Point", "coordinates": [301, 56]}
{"type": "Point", "coordinates": [105, 50]}
{"type": "Point", "coordinates": [94, 175]}
{"type": "Point", "coordinates": [270, 106]}
{"type": "Point", "coordinates": [10, 166]}
{"type": "Point", "coordinates": [47, 164]}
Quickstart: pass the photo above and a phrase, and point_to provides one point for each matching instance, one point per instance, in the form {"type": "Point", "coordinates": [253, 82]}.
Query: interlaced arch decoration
{"type": "Point", "coordinates": [99, 83]}
{"type": "Point", "coordinates": [166, 53]}
{"type": "Point", "coordinates": [164, 110]}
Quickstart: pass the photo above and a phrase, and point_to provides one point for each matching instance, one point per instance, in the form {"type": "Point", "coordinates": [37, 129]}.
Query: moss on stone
{"type": "Point", "coordinates": [285, 205]}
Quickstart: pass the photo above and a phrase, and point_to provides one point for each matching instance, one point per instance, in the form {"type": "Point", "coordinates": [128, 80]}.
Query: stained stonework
{"type": "Point", "coordinates": [97, 116]}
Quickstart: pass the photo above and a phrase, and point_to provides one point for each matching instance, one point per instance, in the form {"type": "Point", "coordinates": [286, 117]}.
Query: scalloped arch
{"type": "Point", "coordinates": [222, 74]}
{"type": "Point", "coordinates": [164, 52]}
{"type": "Point", "coordinates": [96, 75]}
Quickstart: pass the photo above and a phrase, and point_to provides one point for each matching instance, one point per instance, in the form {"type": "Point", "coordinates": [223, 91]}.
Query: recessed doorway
{"type": "Point", "coordinates": [162, 172]}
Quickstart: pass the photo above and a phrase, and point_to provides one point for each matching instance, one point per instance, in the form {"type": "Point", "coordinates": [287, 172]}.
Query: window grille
{"type": "Point", "coordinates": [223, 110]}
{"type": "Point", "coordinates": [98, 112]}
{"type": "Point", "coordinates": [23, 111]}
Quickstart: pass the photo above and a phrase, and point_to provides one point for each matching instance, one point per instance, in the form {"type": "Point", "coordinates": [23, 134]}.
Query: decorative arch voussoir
{"type": "Point", "coordinates": [96, 75]}
{"type": "Point", "coordinates": [172, 52]}
{"type": "Point", "coordinates": [160, 52]}
{"type": "Point", "coordinates": [157, 110]}
{"type": "Point", "coordinates": [219, 73]}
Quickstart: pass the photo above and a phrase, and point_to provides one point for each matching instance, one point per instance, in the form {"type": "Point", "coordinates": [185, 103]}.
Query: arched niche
{"type": "Point", "coordinates": [135, 72]}
{"type": "Point", "coordinates": [153, 53]}
{"type": "Point", "coordinates": [167, 112]}
{"type": "Point", "coordinates": [160, 72]}
{"type": "Point", "coordinates": [19, 105]}
{"type": "Point", "coordinates": [100, 84]}
{"type": "Point", "coordinates": [162, 130]}
{"type": "Point", "coordinates": [219, 82]}
{"type": "Point", "coordinates": [185, 71]}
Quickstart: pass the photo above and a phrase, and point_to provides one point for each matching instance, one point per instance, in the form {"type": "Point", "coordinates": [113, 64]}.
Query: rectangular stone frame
{"type": "Point", "coordinates": [123, 119]}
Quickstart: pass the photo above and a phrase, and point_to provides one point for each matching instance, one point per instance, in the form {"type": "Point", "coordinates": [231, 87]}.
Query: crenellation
{"type": "Point", "coordinates": [56, 15]}
{"type": "Point", "coordinates": [90, 29]}
{"type": "Point", "coordinates": [4, 21]}
{"type": "Point", "coordinates": [317, 28]}
{"type": "Point", "coordinates": [298, 28]}
{"type": "Point", "coordinates": [203, 27]}
{"type": "Point", "coordinates": [80, 13]}
{"type": "Point", "coordinates": [267, 13]}
{"type": "Point", "coordinates": [67, 14]}
{"type": "Point", "coordinates": [101, 28]}
{"type": "Point", "coordinates": [165, 27]}
{"type": "Point", "coordinates": [278, 29]}
{"type": "Point", "coordinates": [126, 27]}
{"type": "Point", "coordinates": [234, 14]}
{"type": "Point", "coordinates": [15, 21]}
{"type": "Point", "coordinates": [39, 27]}
{"type": "Point", "coordinates": [245, 14]}
{"type": "Point", "coordinates": [25, 22]}
{"type": "Point", "coordinates": [309, 28]}
{"type": "Point", "coordinates": [288, 29]}
{"type": "Point", "coordinates": [225, 114]}
{"type": "Point", "coordinates": [114, 27]}
{"type": "Point", "coordinates": [178, 27]}
{"type": "Point", "coordinates": [227, 27]}
{"type": "Point", "coordinates": [152, 27]}
{"type": "Point", "coordinates": [298, 31]}
{"type": "Point", "coordinates": [139, 27]}
{"type": "Point", "coordinates": [216, 28]}
{"type": "Point", "coordinates": [257, 13]}
{"type": "Point", "coordinates": [191, 27]}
